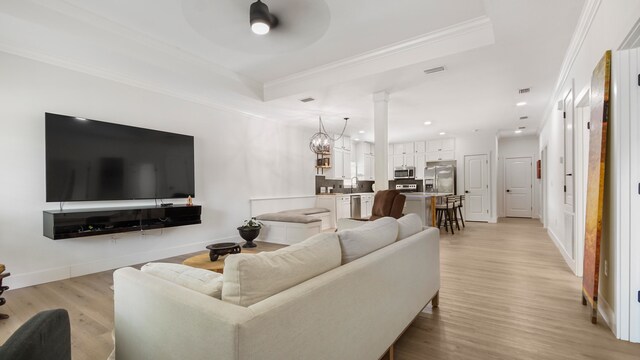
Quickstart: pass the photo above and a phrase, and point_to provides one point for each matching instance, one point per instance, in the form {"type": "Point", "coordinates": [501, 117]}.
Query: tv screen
{"type": "Point", "coordinates": [88, 160]}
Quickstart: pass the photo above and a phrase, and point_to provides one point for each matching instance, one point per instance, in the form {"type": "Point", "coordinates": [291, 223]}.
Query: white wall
{"type": "Point", "coordinates": [611, 24]}
{"type": "Point", "coordinates": [237, 158]}
{"type": "Point", "coordinates": [518, 146]}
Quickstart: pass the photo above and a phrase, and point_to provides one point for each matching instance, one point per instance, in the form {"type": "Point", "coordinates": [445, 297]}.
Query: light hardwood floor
{"type": "Point", "coordinates": [506, 294]}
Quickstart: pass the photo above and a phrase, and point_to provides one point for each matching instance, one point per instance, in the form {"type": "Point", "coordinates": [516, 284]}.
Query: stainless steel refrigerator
{"type": "Point", "coordinates": [440, 176]}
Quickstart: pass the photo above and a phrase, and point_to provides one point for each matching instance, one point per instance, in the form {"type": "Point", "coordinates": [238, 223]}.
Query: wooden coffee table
{"type": "Point", "coordinates": [202, 261]}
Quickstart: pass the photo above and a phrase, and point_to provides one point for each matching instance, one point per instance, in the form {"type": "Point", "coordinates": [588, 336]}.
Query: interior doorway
{"type": "Point", "coordinates": [476, 187]}
{"type": "Point", "coordinates": [518, 173]}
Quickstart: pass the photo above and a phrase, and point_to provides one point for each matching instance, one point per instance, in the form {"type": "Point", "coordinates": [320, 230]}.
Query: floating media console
{"type": "Point", "coordinates": [89, 222]}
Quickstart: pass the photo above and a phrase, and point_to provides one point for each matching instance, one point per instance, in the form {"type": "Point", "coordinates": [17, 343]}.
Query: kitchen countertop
{"type": "Point", "coordinates": [346, 194]}
{"type": "Point", "coordinates": [425, 194]}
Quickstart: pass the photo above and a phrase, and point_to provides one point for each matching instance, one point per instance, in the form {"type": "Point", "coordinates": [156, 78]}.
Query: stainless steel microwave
{"type": "Point", "coordinates": [404, 172]}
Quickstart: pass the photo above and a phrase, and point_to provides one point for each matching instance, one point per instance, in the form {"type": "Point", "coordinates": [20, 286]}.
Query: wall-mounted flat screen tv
{"type": "Point", "coordinates": [89, 160]}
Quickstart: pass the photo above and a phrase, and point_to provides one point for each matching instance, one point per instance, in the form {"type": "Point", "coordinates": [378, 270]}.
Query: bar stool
{"type": "Point", "coordinates": [458, 209]}
{"type": "Point", "coordinates": [446, 211]}
{"type": "Point", "coordinates": [2, 289]}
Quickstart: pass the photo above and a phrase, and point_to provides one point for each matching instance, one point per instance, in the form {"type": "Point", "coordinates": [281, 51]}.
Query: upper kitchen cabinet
{"type": "Point", "coordinates": [365, 161]}
{"type": "Point", "coordinates": [403, 149]}
{"type": "Point", "coordinates": [420, 147]}
{"type": "Point", "coordinates": [340, 165]}
{"type": "Point", "coordinates": [342, 143]}
{"type": "Point", "coordinates": [440, 155]}
{"type": "Point", "coordinates": [441, 145]}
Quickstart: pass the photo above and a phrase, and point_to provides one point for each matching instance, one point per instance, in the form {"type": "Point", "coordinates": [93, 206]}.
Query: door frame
{"type": "Point", "coordinates": [543, 180]}
{"type": "Point", "coordinates": [504, 182]}
{"type": "Point", "coordinates": [464, 182]}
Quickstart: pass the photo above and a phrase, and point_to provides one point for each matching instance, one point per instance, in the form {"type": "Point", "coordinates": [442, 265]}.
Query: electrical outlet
{"type": "Point", "coordinates": [606, 268]}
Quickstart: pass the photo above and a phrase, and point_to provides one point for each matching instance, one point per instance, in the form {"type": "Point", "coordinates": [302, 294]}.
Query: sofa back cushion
{"type": "Point", "coordinates": [373, 235]}
{"type": "Point", "coordinates": [250, 278]}
{"type": "Point", "coordinates": [200, 280]}
{"type": "Point", "coordinates": [408, 225]}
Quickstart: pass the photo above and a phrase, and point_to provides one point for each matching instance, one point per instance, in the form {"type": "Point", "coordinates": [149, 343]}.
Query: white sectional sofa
{"type": "Point", "coordinates": [355, 308]}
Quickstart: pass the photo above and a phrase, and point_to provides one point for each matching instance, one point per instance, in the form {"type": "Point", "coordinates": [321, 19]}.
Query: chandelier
{"type": "Point", "coordinates": [320, 142]}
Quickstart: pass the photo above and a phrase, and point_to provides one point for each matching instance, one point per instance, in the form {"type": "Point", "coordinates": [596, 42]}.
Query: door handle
{"type": "Point", "coordinates": [508, 190]}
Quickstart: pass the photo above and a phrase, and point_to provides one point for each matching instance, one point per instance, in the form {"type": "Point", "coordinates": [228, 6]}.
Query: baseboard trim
{"type": "Point", "coordinates": [607, 314]}
{"type": "Point", "coordinates": [80, 269]}
{"type": "Point", "coordinates": [567, 258]}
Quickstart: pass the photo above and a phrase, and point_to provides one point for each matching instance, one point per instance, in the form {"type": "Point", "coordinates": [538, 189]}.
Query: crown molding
{"type": "Point", "coordinates": [453, 39]}
{"type": "Point", "coordinates": [117, 77]}
{"type": "Point", "coordinates": [589, 12]}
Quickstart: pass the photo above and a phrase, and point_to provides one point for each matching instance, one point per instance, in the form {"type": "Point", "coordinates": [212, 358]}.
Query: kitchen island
{"type": "Point", "coordinates": [423, 204]}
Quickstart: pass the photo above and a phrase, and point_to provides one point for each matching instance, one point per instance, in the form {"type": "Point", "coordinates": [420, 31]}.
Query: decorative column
{"type": "Point", "coordinates": [381, 139]}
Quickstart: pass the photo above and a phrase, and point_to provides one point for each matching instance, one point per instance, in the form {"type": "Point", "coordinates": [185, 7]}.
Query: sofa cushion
{"type": "Point", "coordinates": [308, 211]}
{"type": "Point", "coordinates": [408, 225]}
{"type": "Point", "coordinates": [373, 235]}
{"type": "Point", "coordinates": [287, 217]}
{"type": "Point", "coordinates": [203, 281]}
{"type": "Point", "coordinates": [250, 278]}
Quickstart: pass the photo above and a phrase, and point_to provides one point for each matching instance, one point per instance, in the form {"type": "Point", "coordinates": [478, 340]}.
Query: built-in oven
{"type": "Point", "coordinates": [404, 172]}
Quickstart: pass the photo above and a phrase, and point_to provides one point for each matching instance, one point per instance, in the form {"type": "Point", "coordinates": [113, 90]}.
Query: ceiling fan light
{"type": "Point", "coordinates": [260, 28]}
{"type": "Point", "coordinates": [260, 18]}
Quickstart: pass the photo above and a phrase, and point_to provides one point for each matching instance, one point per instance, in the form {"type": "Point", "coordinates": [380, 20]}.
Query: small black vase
{"type": "Point", "coordinates": [249, 234]}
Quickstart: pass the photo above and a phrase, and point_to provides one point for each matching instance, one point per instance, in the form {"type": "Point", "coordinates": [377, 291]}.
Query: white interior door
{"type": "Point", "coordinates": [476, 187]}
{"type": "Point", "coordinates": [518, 187]}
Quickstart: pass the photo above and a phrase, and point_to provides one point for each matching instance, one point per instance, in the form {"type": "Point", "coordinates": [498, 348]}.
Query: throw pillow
{"type": "Point", "coordinates": [250, 278]}
{"type": "Point", "coordinates": [373, 235]}
{"type": "Point", "coordinates": [408, 225]}
{"type": "Point", "coordinates": [203, 281]}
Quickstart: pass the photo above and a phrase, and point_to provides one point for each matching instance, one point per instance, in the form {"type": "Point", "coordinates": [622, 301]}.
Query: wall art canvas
{"type": "Point", "coordinates": [600, 98]}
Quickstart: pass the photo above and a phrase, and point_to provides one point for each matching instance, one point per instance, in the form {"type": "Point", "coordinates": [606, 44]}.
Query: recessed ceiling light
{"type": "Point", "coordinates": [443, 133]}
{"type": "Point", "coordinates": [356, 139]}
{"type": "Point", "coordinates": [427, 122]}
{"type": "Point", "coordinates": [521, 103]}
{"type": "Point", "coordinates": [518, 131]}
{"type": "Point", "coordinates": [361, 131]}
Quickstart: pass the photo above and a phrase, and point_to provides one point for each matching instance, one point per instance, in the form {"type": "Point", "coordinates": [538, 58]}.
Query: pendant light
{"type": "Point", "coordinates": [320, 142]}
{"type": "Point", "coordinates": [261, 19]}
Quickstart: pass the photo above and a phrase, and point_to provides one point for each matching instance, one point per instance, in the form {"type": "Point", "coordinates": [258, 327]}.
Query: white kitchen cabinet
{"type": "Point", "coordinates": [338, 163]}
{"type": "Point", "coordinates": [346, 143]}
{"type": "Point", "coordinates": [448, 144]}
{"type": "Point", "coordinates": [342, 143]}
{"type": "Point", "coordinates": [403, 148]}
{"type": "Point", "coordinates": [398, 149]}
{"type": "Point", "coordinates": [420, 147]}
{"type": "Point", "coordinates": [421, 162]}
{"type": "Point", "coordinates": [370, 170]}
{"type": "Point", "coordinates": [398, 160]}
{"type": "Point", "coordinates": [366, 205]}
{"type": "Point", "coordinates": [440, 155]}
{"type": "Point", "coordinates": [365, 161]}
{"type": "Point", "coordinates": [340, 166]}
{"type": "Point", "coordinates": [390, 166]}
{"type": "Point", "coordinates": [441, 145]}
{"type": "Point", "coordinates": [343, 206]}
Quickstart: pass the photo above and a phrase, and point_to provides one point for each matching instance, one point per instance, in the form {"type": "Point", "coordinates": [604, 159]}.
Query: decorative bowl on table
{"type": "Point", "coordinates": [221, 249]}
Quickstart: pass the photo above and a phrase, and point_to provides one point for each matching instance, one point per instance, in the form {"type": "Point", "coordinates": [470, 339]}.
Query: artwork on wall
{"type": "Point", "coordinates": [600, 91]}
{"type": "Point", "coordinates": [539, 169]}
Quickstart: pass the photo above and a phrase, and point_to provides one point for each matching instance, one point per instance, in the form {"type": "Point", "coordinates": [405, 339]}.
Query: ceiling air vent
{"type": "Point", "coordinates": [524, 117]}
{"type": "Point", "coordinates": [306, 100]}
{"type": "Point", "coordinates": [434, 70]}
{"type": "Point", "coordinates": [524, 91]}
